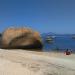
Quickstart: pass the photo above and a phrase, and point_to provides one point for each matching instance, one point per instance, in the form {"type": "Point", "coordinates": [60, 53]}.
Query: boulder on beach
{"type": "Point", "coordinates": [0, 39]}
{"type": "Point", "coordinates": [21, 38]}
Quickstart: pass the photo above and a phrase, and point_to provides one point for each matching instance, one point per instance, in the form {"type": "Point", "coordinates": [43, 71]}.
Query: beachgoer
{"type": "Point", "coordinates": [68, 52]}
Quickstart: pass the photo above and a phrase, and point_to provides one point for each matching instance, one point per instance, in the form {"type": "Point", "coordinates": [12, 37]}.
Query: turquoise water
{"type": "Point", "coordinates": [62, 43]}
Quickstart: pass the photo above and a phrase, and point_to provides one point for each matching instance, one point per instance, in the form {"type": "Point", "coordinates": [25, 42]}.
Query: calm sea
{"type": "Point", "coordinates": [61, 43]}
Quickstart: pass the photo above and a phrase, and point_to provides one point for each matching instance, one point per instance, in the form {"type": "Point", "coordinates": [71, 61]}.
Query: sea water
{"type": "Point", "coordinates": [62, 43]}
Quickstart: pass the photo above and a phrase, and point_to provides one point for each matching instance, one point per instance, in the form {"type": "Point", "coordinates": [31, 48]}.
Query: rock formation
{"type": "Point", "coordinates": [0, 40]}
{"type": "Point", "coordinates": [21, 38]}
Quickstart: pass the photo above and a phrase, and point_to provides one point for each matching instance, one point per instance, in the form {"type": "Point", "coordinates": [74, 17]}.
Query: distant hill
{"type": "Point", "coordinates": [47, 37]}
{"type": "Point", "coordinates": [54, 34]}
{"type": "Point", "coordinates": [48, 34]}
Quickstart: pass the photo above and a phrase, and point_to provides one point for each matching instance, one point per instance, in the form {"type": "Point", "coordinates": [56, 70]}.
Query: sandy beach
{"type": "Point", "coordinates": [22, 62]}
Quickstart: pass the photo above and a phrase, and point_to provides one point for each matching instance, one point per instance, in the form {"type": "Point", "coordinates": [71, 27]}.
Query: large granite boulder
{"type": "Point", "coordinates": [0, 40]}
{"type": "Point", "coordinates": [21, 38]}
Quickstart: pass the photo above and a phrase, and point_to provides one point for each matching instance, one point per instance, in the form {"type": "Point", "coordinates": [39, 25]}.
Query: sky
{"type": "Point", "coordinates": [57, 16]}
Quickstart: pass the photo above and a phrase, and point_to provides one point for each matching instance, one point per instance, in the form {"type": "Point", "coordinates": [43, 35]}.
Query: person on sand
{"type": "Point", "coordinates": [68, 52]}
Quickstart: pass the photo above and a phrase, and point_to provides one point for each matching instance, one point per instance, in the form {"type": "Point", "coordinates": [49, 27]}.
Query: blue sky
{"type": "Point", "coordinates": [56, 16]}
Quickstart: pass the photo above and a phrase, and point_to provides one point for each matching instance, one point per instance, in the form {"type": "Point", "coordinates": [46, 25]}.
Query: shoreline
{"type": "Point", "coordinates": [23, 62]}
